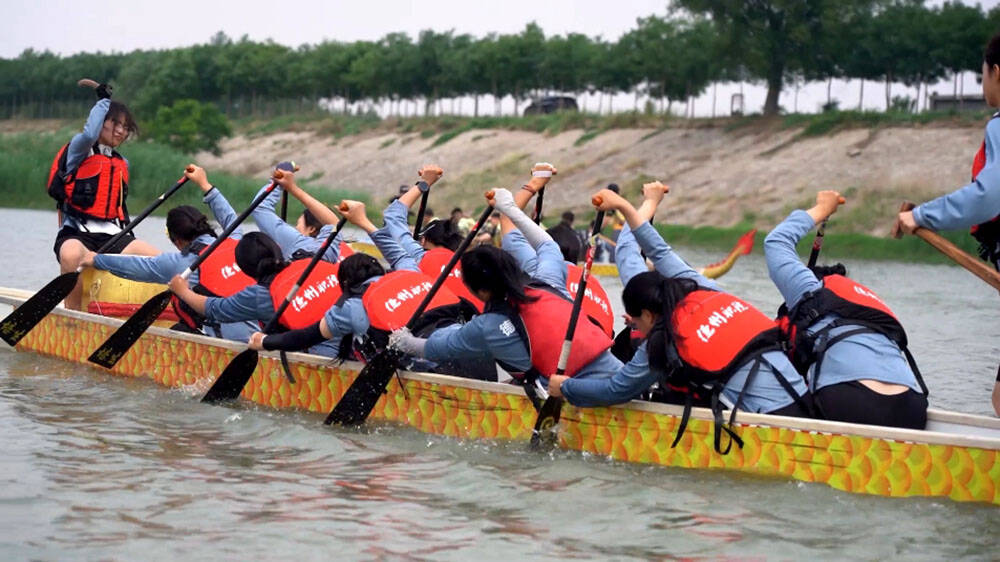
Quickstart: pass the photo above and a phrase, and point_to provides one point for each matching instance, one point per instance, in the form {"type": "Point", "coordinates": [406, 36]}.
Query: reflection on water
{"type": "Point", "coordinates": [100, 467]}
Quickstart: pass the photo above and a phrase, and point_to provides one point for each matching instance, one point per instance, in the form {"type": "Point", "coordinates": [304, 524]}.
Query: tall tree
{"type": "Point", "coordinates": [774, 38]}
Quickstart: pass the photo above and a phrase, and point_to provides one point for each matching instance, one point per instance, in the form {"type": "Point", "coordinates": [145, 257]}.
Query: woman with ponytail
{"type": "Point", "coordinates": [190, 232]}
{"type": "Point", "coordinates": [687, 345]}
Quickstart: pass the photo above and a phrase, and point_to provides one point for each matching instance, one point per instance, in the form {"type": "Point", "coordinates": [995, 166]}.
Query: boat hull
{"type": "Point", "coordinates": [853, 458]}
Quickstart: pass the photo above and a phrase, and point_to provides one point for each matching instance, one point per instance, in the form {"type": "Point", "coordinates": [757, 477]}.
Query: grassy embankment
{"type": "Point", "coordinates": [25, 159]}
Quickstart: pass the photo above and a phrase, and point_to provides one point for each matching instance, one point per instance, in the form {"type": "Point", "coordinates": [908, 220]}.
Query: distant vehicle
{"type": "Point", "coordinates": [551, 104]}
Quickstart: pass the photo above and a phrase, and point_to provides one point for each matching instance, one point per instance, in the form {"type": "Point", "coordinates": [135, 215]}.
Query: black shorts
{"type": "Point", "coordinates": [91, 240]}
{"type": "Point", "coordinates": [854, 402]}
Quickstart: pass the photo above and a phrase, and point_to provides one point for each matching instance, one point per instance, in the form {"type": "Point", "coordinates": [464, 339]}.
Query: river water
{"type": "Point", "coordinates": [100, 467]}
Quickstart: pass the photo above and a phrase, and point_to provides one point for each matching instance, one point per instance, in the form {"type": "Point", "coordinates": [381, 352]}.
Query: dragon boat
{"type": "Point", "coordinates": [957, 456]}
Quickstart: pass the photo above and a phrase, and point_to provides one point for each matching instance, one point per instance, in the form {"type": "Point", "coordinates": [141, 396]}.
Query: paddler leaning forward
{"type": "Point", "coordinates": [712, 346]}
{"type": "Point", "coordinates": [841, 335]}
{"type": "Point", "coordinates": [977, 204]}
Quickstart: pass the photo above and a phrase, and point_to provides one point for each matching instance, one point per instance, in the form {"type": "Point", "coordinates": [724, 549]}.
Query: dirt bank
{"type": "Point", "coordinates": [718, 177]}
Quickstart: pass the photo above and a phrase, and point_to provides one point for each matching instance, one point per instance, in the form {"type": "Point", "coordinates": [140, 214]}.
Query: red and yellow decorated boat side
{"type": "Point", "coordinates": [855, 458]}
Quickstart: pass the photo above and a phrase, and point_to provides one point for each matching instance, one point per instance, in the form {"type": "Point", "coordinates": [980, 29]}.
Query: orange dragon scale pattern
{"type": "Point", "coordinates": [850, 463]}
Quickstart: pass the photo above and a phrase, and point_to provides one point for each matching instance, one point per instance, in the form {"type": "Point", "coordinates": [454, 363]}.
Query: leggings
{"type": "Point", "coordinates": [854, 402]}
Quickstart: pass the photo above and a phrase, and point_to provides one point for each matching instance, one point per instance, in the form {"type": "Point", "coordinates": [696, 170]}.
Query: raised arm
{"type": "Point", "coordinates": [541, 174]}
{"type": "Point", "coordinates": [323, 213]}
{"type": "Point", "coordinates": [792, 278]}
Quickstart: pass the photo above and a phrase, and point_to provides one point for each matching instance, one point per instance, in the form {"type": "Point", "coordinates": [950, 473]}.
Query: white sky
{"type": "Point", "coordinates": [66, 27]}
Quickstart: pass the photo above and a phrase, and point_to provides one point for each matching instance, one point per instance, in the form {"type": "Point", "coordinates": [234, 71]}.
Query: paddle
{"type": "Point", "coordinates": [18, 323]}
{"type": "Point", "coordinates": [284, 206]}
{"type": "Point", "coordinates": [548, 415]}
{"type": "Point", "coordinates": [817, 245]}
{"type": "Point", "coordinates": [364, 392]}
{"type": "Point", "coordinates": [237, 373]}
{"type": "Point", "coordinates": [970, 263]}
{"type": "Point", "coordinates": [538, 205]}
{"type": "Point", "coordinates": [818, 240]}
{"type": "Point", "coordinates": [425, 190]}
{"type": "Point", "coordinates": [115, 346]}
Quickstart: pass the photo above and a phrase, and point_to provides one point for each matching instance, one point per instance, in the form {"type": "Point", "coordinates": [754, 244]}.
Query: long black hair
{"type": "Point", "coordinates": [443, 233]}
{"type": "Point", "coordinates": [991, 54]}
{"type": "Point", "coordinates": [259, 256]}
{"type": "Point", "coordinates": [185, 223]}
{"type": "Point", "coordinates": [356, 269]}
{"type": "Point", "coordinates": [488, 268]}
{"type": "Point", "coordinates": [660, 295]}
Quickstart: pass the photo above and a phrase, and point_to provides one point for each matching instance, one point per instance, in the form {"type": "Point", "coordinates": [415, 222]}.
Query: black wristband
{"type": "Point", "coordinates": [424, 188]}
{"type": "Point", "coordinates": [294, 340]}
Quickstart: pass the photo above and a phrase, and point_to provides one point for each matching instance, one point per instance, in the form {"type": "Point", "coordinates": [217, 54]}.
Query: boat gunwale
{"type": "Point", "coordinates": [15, 297]}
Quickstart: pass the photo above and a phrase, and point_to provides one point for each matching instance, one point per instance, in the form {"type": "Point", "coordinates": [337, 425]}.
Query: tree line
{"type": "Point", "coordinates": [667, 58]}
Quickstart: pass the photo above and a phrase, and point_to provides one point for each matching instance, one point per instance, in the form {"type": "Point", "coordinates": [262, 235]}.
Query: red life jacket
{"type": "Point", "coordinates": [96, 189]}
{"type": "Point", "coordinates": [855, 305]}
{"type": "Point", "coordinates": [595, 302]}
{"type": "Point", "coordinates": [715, 332]}
{"type": "Point", "coordinates": [317, 294]}
{"type": "Point", "coordinates": [392, 300]}
{"type": "Point", "coordinates": [432, 264]}
{"type": "Point", "coordinates": [219, 272]}
{"type": "Point", "coordinates": [218, 276]}
{"type": "Point", "coordinates": [544, 324]}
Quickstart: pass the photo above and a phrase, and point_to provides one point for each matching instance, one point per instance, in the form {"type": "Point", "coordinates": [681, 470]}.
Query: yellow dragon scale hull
{"type": "Point", "coordinates": [469, 410]}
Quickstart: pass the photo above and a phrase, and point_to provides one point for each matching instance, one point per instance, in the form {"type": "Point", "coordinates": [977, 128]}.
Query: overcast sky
{"type": "Point", "coordinates": [66, 27]}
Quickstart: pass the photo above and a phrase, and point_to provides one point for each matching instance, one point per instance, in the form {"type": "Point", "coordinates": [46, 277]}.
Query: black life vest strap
{"type": "Point", "coordinates": [720, 425]}
{"type": "Point", "coordinates": [862, 328]}
{"type": "Point", "coordinates": [685, 417]}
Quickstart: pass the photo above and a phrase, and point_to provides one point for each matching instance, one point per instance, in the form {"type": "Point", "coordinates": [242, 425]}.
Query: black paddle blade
{"type": "Point", "coordinates": [230, 383]}
{"type": "Point", "coordinates": [286, 367]}
{"type": "Point", "coordinates": [125, 337]}
{"type": "Point", "coordinates": [18, 323]}
{"type": "Point", "coordinates": [364, 392]}
{"type": "Point", "coordinates": [545, 425]}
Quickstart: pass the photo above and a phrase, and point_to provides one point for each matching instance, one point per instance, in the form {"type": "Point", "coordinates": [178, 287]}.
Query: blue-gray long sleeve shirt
{"type": "Point", "coordinates": [286, 236]}
{"type": "Point", "coordinates": [976, 202]}
{"type": "Point", "coordinates": [861, 356]}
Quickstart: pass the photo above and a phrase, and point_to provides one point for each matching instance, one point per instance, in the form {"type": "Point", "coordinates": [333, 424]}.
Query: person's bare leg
{"type": "Point", "coordinates": [70, 255]}
{"type": "Point", "coordinates": [140, 248]}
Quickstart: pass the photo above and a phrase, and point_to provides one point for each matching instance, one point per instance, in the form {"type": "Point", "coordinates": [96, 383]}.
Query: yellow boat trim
{"type": "Point", "coordinates": [854, 458]}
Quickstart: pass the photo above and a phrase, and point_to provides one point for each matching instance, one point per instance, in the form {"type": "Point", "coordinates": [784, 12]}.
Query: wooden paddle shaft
{"type": "Point", "coordinates": [974, 265]}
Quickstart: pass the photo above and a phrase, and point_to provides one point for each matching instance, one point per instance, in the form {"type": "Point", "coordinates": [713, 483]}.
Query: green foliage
{"type": "Point", "coordinates": [190, 126]}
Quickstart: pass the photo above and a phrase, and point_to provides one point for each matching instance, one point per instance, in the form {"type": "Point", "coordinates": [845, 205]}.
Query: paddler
{"type": "Point", "coordinates": [977, 204]}
{"type": "Point", "coordinates": [699, 340]}
{"type": "Point", "coordinates": [89, 181]}
{"type": "Point", "coordinates": [517, 327]}
{"type": "Point", "coordinates": [310, 230]}
{"type": "Point", "coordinates": [189, 230]}
{"type": "Point", "coordinates": [840, 335]}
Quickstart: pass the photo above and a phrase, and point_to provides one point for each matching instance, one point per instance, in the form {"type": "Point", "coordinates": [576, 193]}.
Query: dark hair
{"type": "Point", "coordinates": [991, 54]}
{"type": "Point", "coordinates": [568, 217]}
{"type": "Point", "coordinates": [311, 222]}
{"type": "Point", "coordinates": [259, 256]}
{"type": "Point", "coordinates": [356, 269]}
{"type": "Point", "coordinates": [118, 112]}
{"type": "Point", "coordinates": [821, 271]}
{"type": "Point", "coordinates": [456, 210]}
{"type": "Point", "coordinates": [442, 233]}
{"type": "Point", "coordinates": [568, 241]}
{"type": "Point", "coordinates": [653, 292]}
{"type": "Point", "coordinates": [488, 268]}
{"type": "Point", "coordinates": [185, 223]}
